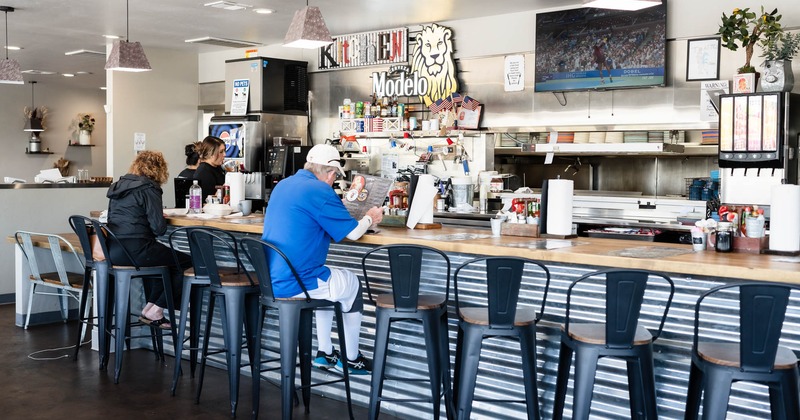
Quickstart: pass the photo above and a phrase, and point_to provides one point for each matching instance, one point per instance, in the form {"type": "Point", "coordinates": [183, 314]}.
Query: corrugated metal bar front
{"type": "Point", "coordinates": [500, 374]}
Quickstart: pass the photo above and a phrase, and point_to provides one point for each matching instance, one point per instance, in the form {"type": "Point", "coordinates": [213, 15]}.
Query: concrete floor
{"type": "Point", "coordinates": [67, 389]}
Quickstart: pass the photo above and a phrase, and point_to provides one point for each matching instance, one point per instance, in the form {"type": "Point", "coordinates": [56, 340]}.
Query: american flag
{"type": "Point", "coordinates": [470, 104]}
{"type": "Point", "coordinates": [437, 107]}
{"type": "Point", "coordinates": [448, 103]}
{"type": "Point", "coordinates": [456, 98]}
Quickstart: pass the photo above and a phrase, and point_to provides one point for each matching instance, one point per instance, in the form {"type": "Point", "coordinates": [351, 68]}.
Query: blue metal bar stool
{"type": "Point", "coordinates": [402, 301]}
{"type": "Point", "coordinates": [620, 336]}
{"type": "Point", "coordinates": [238, 300]}
{"type": "Point", "coordinates": [502, 317]}
{"type": "Point", "coordinates": [122, 289]}
{"type": "Point", "coordinates": [295, 328]}
{"type": "Point", "coordinates": [82, 226]}
{"type": "Point", "coordinates": [756, 357]}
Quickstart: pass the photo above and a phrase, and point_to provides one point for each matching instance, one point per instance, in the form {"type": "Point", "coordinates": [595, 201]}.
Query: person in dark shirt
{"type": "Point", "coordinates": [135, 216]}
{"type": "Point", "coordinates": [192, 158]}
{"type": "Point", "coordinates": [599, 58]}
{"type": "Point", "coordinates": [209, 173]}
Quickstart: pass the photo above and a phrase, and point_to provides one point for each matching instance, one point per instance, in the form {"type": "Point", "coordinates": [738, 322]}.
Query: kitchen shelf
{"type": "Point", "coordinates": [79, 145]}
{"type": "Point", "coordinates": [609, 149]}
{"type": "Point", "coordinates": [37, 153]}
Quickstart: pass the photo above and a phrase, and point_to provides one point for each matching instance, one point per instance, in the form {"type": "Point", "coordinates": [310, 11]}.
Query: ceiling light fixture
{"type": "Point", "coordinates": [111, 36]}
{"type": "Point", "coordinates": [9, 68]}
{"type": "Point", "coordinates": [228, 5]}
{"type": "Point", "coordinates": [621, 4]}
{"type": "Point", "coordinates": [264, 11]}
{"type": "Point", "coordinates": [126, 55]}
{"type": "Point", "coordinates": [34, 123]}
{"type": "Point", "coordinates": [84, 51]}
{"type": "Point", "coordinates": [13, 48]}
{"type": "Point", "coordinates": [307, 30]}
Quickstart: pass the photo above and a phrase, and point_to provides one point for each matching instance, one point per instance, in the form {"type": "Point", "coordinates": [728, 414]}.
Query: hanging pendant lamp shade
{"type": "Point", "coordinates": [307, 30]}
{"type": "Point", "coordinates": [9, 68]}
{"type": "Point", "coordinates": [125, 55]}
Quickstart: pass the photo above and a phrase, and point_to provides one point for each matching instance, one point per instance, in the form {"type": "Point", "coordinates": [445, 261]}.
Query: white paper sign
{"type": "Point", "coordinates": [139, 142]}
{"type": "Point", "coordinates": [552, 139]}
{"type": "Point", "coordinates": [707, 112]}
{"type": "Point", "coordinates": [241, 96]}
{"type": "Point", "coordinates": [514, 73]}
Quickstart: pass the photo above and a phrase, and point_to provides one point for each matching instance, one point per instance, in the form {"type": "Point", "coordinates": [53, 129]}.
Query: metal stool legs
{"type": "Point", "coordinates": [191, 309]}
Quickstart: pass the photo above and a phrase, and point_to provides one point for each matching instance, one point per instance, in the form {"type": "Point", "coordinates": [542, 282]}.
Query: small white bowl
{"type": "Point", "coordinates": [217, 209]}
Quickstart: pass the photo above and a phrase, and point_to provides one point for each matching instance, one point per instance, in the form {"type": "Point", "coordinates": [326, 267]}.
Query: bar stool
{"type": "Point", "coordinates": [238, 300]}
{"type": "Point", "coordinates": [621, 336]}
{"type": "Point", "coordinates": [121, 288]}
{"type": "Point", "coordinates": [502, 317]}
{"type": "Point", "coordinates": [757, 357]}
{"type": "Point", "coordinates": [294, 318]}
{"type": "Point", "coordinates": [402, 301]}
{"type": "Point", "coordinates": [82, 226]}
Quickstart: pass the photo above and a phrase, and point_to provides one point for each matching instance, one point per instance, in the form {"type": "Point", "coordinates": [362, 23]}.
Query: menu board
{"type": "Point", "coordinates": [740, 123]}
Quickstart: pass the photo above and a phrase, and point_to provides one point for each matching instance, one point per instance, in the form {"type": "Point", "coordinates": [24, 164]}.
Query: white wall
{"type": "Point", "coordinates": [162, 104]}
{"type": "Point", "coordinates": [63, 104]}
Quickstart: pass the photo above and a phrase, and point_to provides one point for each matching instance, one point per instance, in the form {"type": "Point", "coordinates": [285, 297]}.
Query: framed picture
{"type": "Point", "coordinates": [469, 119]}
{"type": "Point", "coordinates": [702, 59]}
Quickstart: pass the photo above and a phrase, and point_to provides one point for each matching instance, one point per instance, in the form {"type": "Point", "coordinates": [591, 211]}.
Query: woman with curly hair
{"type": "Point", "coordinates": [136, 218]}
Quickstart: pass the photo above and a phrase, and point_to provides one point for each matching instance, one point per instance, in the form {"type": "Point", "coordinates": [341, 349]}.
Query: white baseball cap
{"type": "Point", "coordinates": [325, 154]}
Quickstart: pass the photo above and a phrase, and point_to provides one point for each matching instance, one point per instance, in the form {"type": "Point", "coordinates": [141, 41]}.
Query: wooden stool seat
{"type": "Point", "coordinates": [237, 280]}
{"type": "Point", "coordinates": [596, 334]}
{"type": "Point", "coordinates": [223, 271]}
{"type": "Point", "coordinates": [425, 302]}
{"type": "Point", "coordinates": [727, 354]}
{"type": "Point", "coordinates": [480, 316]}
{"type": "Point", "coordinates": [74, 279]}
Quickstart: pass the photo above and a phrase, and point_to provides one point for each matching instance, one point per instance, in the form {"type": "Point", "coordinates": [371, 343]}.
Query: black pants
{"type": "Point", "coordinates": [151, 253]}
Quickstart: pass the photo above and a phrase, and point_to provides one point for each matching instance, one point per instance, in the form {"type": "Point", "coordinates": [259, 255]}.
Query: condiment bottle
{"type": "Point", "coordinates": [226, 195]}
{"type": "Point", "coordinates": [724, 242]}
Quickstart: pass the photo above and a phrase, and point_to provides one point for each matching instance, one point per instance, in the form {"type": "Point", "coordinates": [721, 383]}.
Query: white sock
{"type": "Point", "coordinates": [352, 331]}
{"type": "Point", "coordinates": [324, 324]}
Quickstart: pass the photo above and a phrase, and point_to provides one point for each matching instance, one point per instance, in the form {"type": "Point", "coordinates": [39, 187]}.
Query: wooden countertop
{"type": "Point", "coordinates": [670, 258]}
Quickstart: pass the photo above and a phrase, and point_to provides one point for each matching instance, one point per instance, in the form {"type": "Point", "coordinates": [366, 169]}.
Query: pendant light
{"type": "Point", "coordinates": [307, 30]}
{"type": "Point", "coordinates": [125, 55]}
{"type": "Point", "coordinates": [621, 4]}
{"type": "Point", "coordinates": [9, 68]}
{"type": "Point", "coordinates": [34, 122]}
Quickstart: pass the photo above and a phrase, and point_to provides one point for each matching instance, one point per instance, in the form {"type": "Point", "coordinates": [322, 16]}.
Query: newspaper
{"type": "Point", "coordinates": [366, 192]}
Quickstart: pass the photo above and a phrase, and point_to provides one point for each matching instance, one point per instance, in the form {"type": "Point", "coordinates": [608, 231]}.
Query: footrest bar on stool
{"type": "Point", "coordinates": [320, 383]}
{"type": "Point", "coordinates": [491, 400]}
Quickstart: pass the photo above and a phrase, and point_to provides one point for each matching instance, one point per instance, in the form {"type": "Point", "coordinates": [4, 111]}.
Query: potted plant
{"type": "Point", "coordinates": [745, 29]}
{"type": "Point", "coordinates": [85, 128]}
{"type": "Point", "coordinates": [778, 54]}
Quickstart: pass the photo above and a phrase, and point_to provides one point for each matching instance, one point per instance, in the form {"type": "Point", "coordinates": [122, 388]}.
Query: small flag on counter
{"type": "Point", "coordinates": [456, 98]}
{"type": "Point", "coordinates": [437, 107]}
{"type": "Point", "coordinates": [470, 104]}
{"type": "Point", "coordinates": [447, 103]}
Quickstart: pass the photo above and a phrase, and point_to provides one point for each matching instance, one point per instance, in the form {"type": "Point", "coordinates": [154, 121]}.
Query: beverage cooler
{"type": "Point", "coordinates": [758, 138]}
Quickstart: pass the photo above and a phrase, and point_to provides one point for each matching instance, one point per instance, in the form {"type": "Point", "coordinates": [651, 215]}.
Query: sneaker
{"type": "Point", "coordinates": [326, 361]}
{"type": "Point", "coordinates": [360, 366]}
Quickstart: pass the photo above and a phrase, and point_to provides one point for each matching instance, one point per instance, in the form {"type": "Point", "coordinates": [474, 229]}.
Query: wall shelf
{"type": "Point", "coordinates": [79, 145]}
{"type": "Point", "coordinates": [609, 149]}
{"type": "Point", "coordinates": [38, 153]}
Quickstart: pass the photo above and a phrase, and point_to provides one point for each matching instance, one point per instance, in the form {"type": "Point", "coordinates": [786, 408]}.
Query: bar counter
{"type": "Point", "coordinates": [500, 369]}
{"type": "Point", "coordinates": [587, 251]}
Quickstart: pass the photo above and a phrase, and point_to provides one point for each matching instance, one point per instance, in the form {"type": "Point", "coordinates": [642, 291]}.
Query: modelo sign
{"type": "Point", "coordinates": [398, 82]}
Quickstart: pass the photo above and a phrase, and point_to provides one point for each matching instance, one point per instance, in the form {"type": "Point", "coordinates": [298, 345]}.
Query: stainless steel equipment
{"type": "Point", "coordinates": [276, 85]}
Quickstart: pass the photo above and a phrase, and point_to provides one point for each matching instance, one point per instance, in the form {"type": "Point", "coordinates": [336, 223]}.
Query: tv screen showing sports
{"type": "Point", "coordinates": [589, 48]}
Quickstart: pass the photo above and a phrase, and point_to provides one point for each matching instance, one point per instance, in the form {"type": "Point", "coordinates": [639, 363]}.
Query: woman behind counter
{"type": "Point", "coordinates": [136, 218]}
{"type": "Point", "coordinates": [209, 173]}
{"type": "Point", "coordinates": [192, 158]}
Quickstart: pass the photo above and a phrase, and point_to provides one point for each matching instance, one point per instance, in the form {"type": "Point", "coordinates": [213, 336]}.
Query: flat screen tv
{"type": "Point", "coordinates": [597, 49]}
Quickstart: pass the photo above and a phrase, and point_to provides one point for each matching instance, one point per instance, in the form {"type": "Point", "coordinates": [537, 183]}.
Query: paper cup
{"type": "Point", "coordinates": [497, 225]}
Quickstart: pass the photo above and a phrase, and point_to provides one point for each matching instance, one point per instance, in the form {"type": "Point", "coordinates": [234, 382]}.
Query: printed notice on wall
{"type": "Point", "coordinates": [514, 73]}
{"type": "Point", "coordinates": [709, 95]}
{"type": "Point", "coordinates": [240, 97]}
{"type": "Point", "coordinates": [139, 142]}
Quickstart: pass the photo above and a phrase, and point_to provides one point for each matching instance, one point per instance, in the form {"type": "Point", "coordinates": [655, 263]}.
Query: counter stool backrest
{"type": "Point", "coordinates": [25, 243]}
{"type": "Point", "coordinates": [503, 279]}
{"type": "Point", "coordinates": [209, 246]}
{"type": "Point", "coordinates": [762, 310]}
{"type": "Point", "coordinates": [105, 236]}
{"type": "Point", "coordinates": [256, 252]}
{"type": "Point", "coordinates": [405, 268]}
{"type": "Point", "coordinates": [82, 226]}
{"type": "Point", "coordinates": [625, 291]}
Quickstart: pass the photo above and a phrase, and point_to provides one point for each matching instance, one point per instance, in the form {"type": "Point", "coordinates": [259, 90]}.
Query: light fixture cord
{"type": "Point", "coordinates": [6, 34]}
{"type": "Point", "coordinates": [127, 20]}
{"type": "Point", "coordinates": [32, 86]}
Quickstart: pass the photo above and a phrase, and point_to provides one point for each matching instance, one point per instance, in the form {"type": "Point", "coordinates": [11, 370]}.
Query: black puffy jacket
{"type": "Point", "coordinates": [135, 209]}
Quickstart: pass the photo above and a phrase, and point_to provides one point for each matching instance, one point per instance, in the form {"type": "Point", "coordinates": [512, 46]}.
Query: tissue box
{"type": "Point", "coordinates": [518, 229]}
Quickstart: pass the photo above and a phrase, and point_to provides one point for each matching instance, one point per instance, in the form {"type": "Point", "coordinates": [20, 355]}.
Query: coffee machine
{"type": "Point", "coordinates": [282, 161]}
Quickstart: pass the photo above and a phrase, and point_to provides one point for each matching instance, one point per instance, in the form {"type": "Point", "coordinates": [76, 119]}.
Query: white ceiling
{"type": "Point", "coordinates": [46, 29]}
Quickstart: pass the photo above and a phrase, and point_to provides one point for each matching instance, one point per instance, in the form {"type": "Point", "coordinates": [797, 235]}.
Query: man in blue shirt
{"type": "Point", "coordinates": [303, 216]}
